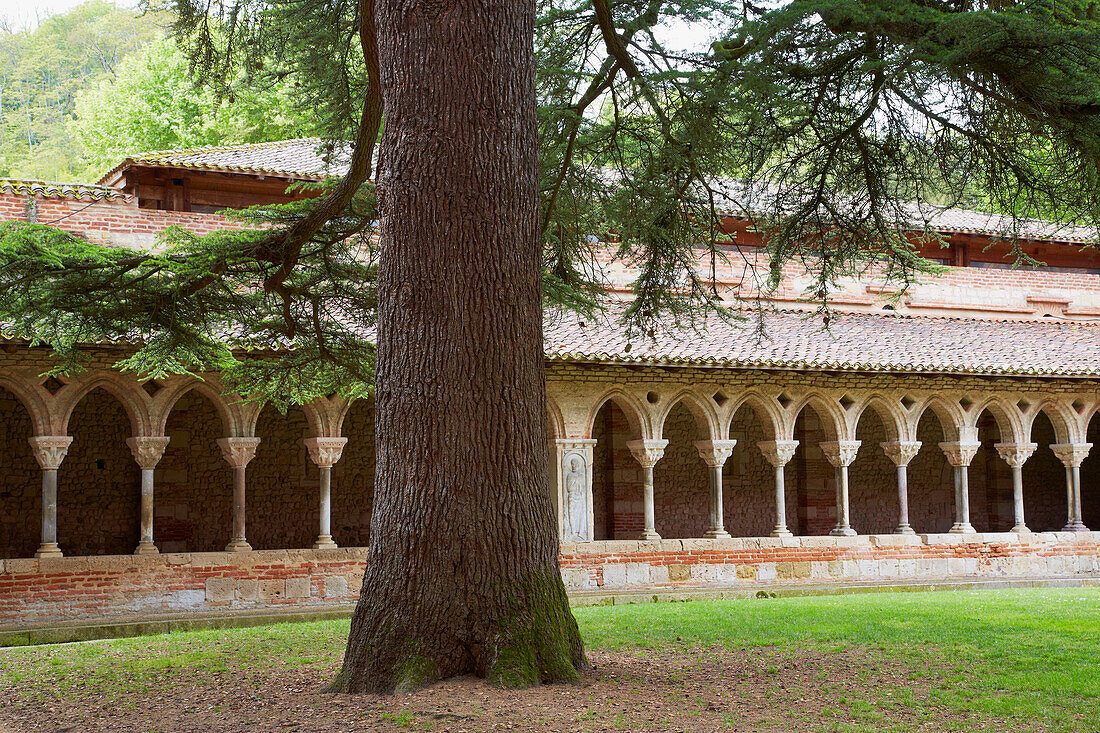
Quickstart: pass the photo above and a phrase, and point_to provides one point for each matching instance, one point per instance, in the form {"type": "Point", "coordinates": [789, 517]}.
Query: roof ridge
{"type": "Point", "coordinates": [218, 148]}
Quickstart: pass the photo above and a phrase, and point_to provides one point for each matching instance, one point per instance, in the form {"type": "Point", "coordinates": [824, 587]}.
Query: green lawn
{"type": "Point", "coordinates": [979, 660]}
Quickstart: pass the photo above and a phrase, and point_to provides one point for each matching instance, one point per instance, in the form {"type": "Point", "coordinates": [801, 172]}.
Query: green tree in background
{"type": "Point", "coordinates": [43, 70]}
{"type": "Point", "coordinates": [153, 103]}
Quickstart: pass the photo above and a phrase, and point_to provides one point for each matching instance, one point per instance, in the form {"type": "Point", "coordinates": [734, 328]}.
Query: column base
{"type": "Point", "coordinates": [962, 528]}
{"type": "Point", "coordinates": [782, 531]}
{"type": "Point", "coordinates": [238, 545]}
{"type": "Point", "coordinates": [1075, 527]}
{"type": "Point", "coordinates": [904, 529]}
{"type": "Point", "coordinates": [649, 535]}
{"type": "Point", "coordinates": [146, 548]}
{"type": "Point", "coordinates": [48, 549]}
{"type": "Point", "coordinates": [1021, 529]}
{"type": "Point", "coordinates": [842, 532]}
{"type": "Point", "coordinates": [716, 533]}
{"type": "Point", "coordinates": [324, 542]}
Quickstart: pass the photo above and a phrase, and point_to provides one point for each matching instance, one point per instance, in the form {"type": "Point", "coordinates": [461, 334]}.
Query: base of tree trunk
{"type": "Point", "coordinates": [524, 639]}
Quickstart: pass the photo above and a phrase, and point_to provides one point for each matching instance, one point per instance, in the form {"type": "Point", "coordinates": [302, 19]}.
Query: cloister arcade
{"type": "Point", "coordinates": [101, 464]}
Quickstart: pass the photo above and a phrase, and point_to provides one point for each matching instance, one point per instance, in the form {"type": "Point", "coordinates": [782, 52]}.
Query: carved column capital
{"type": "Point", "coordinates": [50, 450]}
{"type": "Point", "coordinates": [959, 453]}
{"type": "Point", "coordinates": [325, 452]}
{"type": "Point", "coordinates": [1071, 454]}
{"type": "Point", "coordinates": [840, 452]}
{"type": "Point", "coordinates": [147, 451]}
{"type": "Point", "coordinates": [1015, 454]}
{"type": "Point", "coordinates": [647, 452]}
{"type": "Point", "coordinates": [567, 444]}
{"type": "Point", "coordinates": [778, 452]}
{"type": "Point", "coordinates": [237, 452]}
{"type": "Point", "coordinates": [715, 453]}
{"type": "Point", "coordinates": [901, 451]}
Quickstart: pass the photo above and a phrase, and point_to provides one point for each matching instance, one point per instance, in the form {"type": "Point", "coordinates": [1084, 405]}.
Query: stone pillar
{"type": "Point", "coordinates": [238, 452]}
{"type": "Point", "coordinates": [1071, 455]}
{"type": "Point", "coordinates": [147, 451]}
{"type": "Point", "coordinates": [779, 453]}
{"type": "Point", "coordinates": [647, 453]}
{"type": "Point", "coordinates": [841, 453]}
{"type": "Point", "coordinates": [715, 453]}
{"type": "Point", "coordinates": [325, 452]}
{"type": "Point", "coordinates": [50, 450]}
{"type": "Point", "coordinates": [901, 453]}
{"type": "Point", "coordinates": [1016, 455]}
{"type": "Point", "coordinates": [573, 489]}
{"type": "Point", "coordinates": [959, 455]}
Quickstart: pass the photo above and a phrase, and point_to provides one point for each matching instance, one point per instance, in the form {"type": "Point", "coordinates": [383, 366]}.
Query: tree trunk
{"type": "Point", "coordinates": [463, 573]}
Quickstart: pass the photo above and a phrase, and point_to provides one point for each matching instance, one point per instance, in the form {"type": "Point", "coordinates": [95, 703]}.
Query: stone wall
{"type": "Point", "coordinates": [20, 482]}
{"type": "Point", "coordinates": [353, 479]}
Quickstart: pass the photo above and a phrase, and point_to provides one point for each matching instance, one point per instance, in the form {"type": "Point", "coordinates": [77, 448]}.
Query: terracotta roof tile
{"type": "Point", "coordinates": [46, 189]}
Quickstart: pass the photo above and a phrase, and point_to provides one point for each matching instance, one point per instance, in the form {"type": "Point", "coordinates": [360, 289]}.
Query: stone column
{"type": "Point", "coordinates": [715, 453]}
{"type": "Point", "coordinates": [1016, 455]}
{"type": "Point", "coordinates": [901, 452]}
{"type": "Point", "coordinates": [779, 453]}
{"type": "Point", "coordinates": [647, 453]}
{"type": "Point", "coordinates": [50, 450]}
{"type": "Point", "coordinates": [1071, 455]}
{"type": "Point", "coordinates": [238, 452]}
{"type": "Point", "coordinates": [147, 451]}
{"type": "Point", "coordinates": [325, 452]}
{"type": "Point", "coordinates": [573, 489]}
{"type": "Point", "coordinates": [959, 455]}
{"type": "Point", "coordinates": [841, 453]}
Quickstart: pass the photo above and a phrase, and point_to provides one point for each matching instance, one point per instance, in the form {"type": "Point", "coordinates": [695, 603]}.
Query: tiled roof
{"type": "Point", "coordinates": [59, 190]}
{"type": "Point", "coordinates": [299, 158]}
{"type": "Point", "coordinates": [853, 342]}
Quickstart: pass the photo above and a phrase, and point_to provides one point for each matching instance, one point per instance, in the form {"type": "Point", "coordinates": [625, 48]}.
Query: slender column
{"type": "Point", "coordinates": [960, 454]}
{"type": "Point", "coordinates": [1071, 455]}
{"type": "Point", "coordinates": [715, 453]}
{"type": "Point", "coordinates": [574, 489]}
{"type": "Point", "coordinates": [1016, 455]}
{"type": "Point", "coordinates": [238, 452]}
{"type": "Point", "coordinates": [841, 453]}
{"type": "Point", "coordinates": [50, 451]}
{"type": "Point", "coordinates": [647, 453]}
{"type": "Point", "coordinates": [901, 453]}
{"type": "Point", "coordinates": [779, 453]}
{"type": "Point", "coordinates": [147, 451]}
{"type": "Point", "coordinates": [325, 452]}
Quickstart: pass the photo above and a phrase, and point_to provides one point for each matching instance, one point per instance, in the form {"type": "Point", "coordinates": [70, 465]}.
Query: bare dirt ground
{"type": "Point", "coordinates": [690, 689]}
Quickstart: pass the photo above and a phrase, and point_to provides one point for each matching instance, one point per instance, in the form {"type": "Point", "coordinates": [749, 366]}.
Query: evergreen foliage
{"type": "Point", "coordinates": [822, 120]}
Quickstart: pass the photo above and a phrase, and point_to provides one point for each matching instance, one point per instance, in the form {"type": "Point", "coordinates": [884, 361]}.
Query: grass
{"type": "Point", "coordinates": [1028, 657]}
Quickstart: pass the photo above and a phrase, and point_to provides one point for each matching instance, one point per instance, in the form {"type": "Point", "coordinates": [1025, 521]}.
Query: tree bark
{"type": "Point", "coordinates": [463, 573]}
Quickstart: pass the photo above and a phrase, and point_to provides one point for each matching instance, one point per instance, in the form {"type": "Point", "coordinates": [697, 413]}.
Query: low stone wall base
{"type": "Point", "coordinates": [36, 591]}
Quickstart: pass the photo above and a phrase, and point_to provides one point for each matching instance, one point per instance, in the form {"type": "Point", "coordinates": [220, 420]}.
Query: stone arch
{"type": "Point", "coordinates": [706, 420]}
{"type": "Point", "coordinates": [637, 416]}
{"type": "Point", "coordinates": [828, 412]}
{"type": "Point", "coordinates": [1044, 475]}
{"type": "Point", "coordinates": [283, 509]}
{"type": "Point", "coordinates": [763, 408]}
{"type": "Point", "coordinates": [1008, 417]}
{"type": "Point", "coordinates": [555, 419]}
{"type": "Point", "coordinates": [949, 416]}
{"type": "Point", "coordinates": [230, 424]}
{"type": "Point", "coordinates": [20, 483]}
{"type": "Point", "coordinates": [1061, 417]}
{"type": "Point", "coordinates": [891, 419]}
{"type": "Point", "coordinates": [132, 398]}
{"type": "Point", "coordinates": [31, 399]}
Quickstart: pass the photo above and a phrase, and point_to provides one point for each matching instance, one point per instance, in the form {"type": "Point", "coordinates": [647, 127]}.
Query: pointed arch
{"type": "Point", "coordinates": [173, 394]}
{"type": "Point", "coordinates": [31, 400]}
{"type": "Point", "coordinates": [892, 420]}
{"type": "Point", "coordinates": [636, 415]}
{"type": "Point", "coordinates": [764, 409]}
{"type": "Point", "coordinates": [130, 395]}
{"type": "Point", "coordinates": [706, 419]}
{"type": "Point", "coordinates": [555, 419]}
{"type": "Point", "coordinates": [949, 416]}
{"type": "Point", "coordinates": [1062, 417]}
{"type": "Point", "coordinates": [828, 411]}
{"type": "Point", "coordinates": [1008, 417]}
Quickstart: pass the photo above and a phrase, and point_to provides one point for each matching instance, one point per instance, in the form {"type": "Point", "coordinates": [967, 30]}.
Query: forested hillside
{"type": "Point", "coordinates": [85, 88]}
